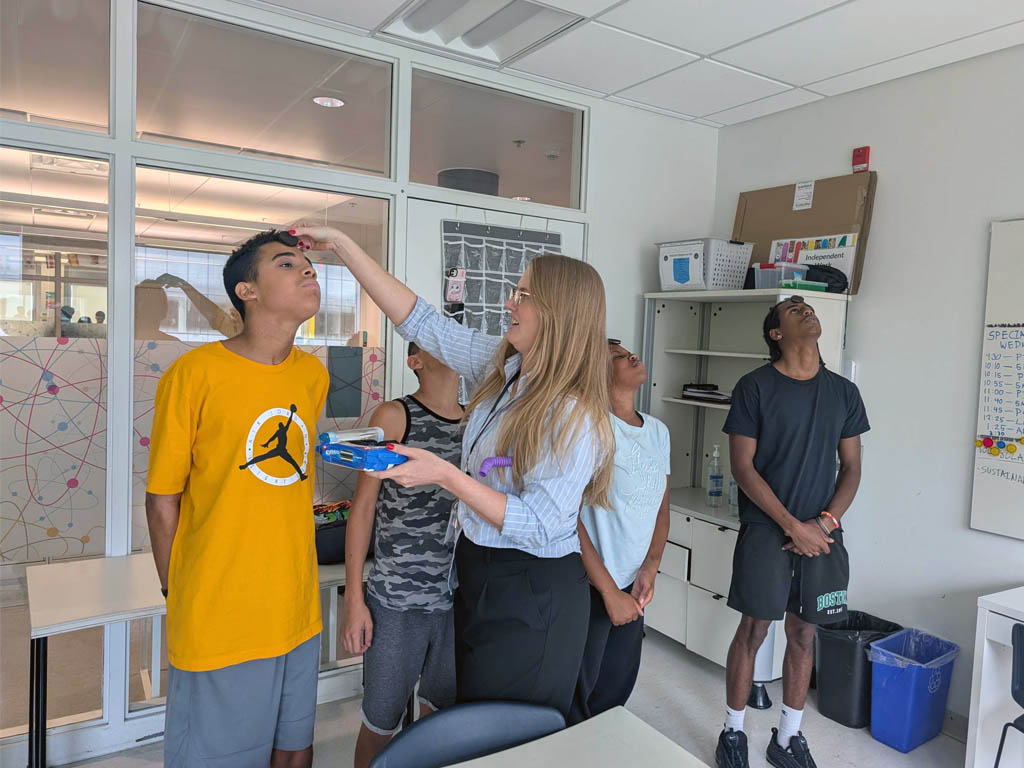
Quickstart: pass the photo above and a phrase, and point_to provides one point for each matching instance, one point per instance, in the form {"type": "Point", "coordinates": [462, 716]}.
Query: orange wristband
{"type": "Point", "coordinates": [832, 518]}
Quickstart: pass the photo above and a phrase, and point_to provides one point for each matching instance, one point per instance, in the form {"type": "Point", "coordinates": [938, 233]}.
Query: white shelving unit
{"type": "Point", "coordinates": [714, 337]}
{"type": "Point", "coordinates": [696, 403]}
{"type": "Point", "coordinates": [715, 353]}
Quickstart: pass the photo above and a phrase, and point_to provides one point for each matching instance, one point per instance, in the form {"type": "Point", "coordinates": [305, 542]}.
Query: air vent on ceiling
{"type": "Point", "coordinates": [484, 31]}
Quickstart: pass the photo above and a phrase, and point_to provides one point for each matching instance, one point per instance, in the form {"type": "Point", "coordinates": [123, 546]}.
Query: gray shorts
{"type": "Point", "coordinates": [407, 646]}
{"type": "Point", "coordinates": [235, 716]}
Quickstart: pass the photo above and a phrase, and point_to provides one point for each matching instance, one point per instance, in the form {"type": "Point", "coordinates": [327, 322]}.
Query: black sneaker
{"type": "Point", "coordinates": [732, 750]}
{"type": "Point", "coordinates": [797, 755]}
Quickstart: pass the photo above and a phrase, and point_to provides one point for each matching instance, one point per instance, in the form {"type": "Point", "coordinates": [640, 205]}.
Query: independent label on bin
{"type": "Point", "coordinates": [935, 682]}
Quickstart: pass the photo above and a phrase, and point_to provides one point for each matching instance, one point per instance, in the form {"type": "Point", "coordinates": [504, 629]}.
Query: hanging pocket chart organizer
{"type": "Point", "coordinates": [481, 264]}
{"type": "Point", "coordinates": [998, 501]}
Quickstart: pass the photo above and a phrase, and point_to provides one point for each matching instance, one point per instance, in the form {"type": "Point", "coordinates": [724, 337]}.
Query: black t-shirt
{"type": "Point", "coordinates": [798, 426]}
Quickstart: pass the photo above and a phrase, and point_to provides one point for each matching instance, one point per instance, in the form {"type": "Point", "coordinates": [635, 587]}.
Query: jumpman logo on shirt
{"type": "Point", "coordinates": [279, 451]}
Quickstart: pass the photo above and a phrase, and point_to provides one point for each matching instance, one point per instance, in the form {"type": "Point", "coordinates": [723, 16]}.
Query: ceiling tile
{"type": "Point", "coordinates": [650, 108]}
{"type": "Point", "coordinates": [365, 14]}
{"type": "Point", "coordinates": [702, 88]}
{"type": "Point", "coordinates": [580, 7]}
{"type": "Point", "coordinates": [986, 42]}
{"type": "Point", "coordinates": [601, 58]}
{"type": "Point", "coordinates": [765, 106]}
{"type": "Point", "coordinates": [866, 32]}
{"type": "Point", "coordinates": [704, 27]}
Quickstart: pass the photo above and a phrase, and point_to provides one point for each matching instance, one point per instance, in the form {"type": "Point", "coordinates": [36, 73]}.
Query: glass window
{"type": "Point", "coordinates": [217, 86]}
{"type": "Point", "coordinates": [479, 139]}
{"type": "Point", "coordinates": [186, 226]}
{"type": "Point", "coordinates": [55, 62]}
{"type": "Point", "coordinates": [53, 410]}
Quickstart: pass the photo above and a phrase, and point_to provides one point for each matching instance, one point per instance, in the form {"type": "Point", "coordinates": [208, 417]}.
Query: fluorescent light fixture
{"type": "Point", "coordinates": [42, 162]}
{"type": "Point", "coordinates": [500, 24]}
{"type": "Point", "coordinates": [522, 198]}
{"type": "Point", "coordinates": [430, 13]}
{"type": "Point", "coordinates": [328, 101]}
{"type": "Point", "coordinates": [68, 213]}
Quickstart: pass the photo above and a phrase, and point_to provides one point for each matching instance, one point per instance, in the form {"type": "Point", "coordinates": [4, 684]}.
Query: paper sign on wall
{"type": "Point", "coordinates": [803, 197]}
{"type": "Point", "coordinates": [839, 251]}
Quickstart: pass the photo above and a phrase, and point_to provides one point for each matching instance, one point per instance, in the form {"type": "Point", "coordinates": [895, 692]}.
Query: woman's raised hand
{"type": "Point", "coordinates": [323, 238]}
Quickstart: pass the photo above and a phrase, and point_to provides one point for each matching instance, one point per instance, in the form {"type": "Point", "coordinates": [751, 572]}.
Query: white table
{"type": "Point", "coordinates": [613, 739]}
{"type": "Point", "coordinates": [991, 703]}
{"type": "Point", "coordinates": [79, 594]}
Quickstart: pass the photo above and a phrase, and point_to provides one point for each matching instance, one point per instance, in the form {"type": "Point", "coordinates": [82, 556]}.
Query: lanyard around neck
{"type": "Point", "coordinates": [493, 412]}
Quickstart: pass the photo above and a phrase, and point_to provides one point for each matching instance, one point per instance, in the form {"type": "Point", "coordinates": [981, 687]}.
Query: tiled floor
{"type": "Point", "coordinates": [678, 693]}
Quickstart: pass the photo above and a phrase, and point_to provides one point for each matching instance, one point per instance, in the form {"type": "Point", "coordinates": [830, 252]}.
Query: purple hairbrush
{"type": "Point", "coordinates": [494, 461]}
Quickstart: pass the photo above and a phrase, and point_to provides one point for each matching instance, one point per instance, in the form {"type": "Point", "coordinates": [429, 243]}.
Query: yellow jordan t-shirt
{"type": "Point", "coordinates": [236, 438]}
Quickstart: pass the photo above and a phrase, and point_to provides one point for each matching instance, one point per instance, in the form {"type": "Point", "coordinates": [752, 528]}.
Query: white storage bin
{"type": "Point", "coordinates": [703, 264]}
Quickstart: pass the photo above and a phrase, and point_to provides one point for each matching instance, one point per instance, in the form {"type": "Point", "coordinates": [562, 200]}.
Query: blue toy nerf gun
{"type": "Point", "coordinates": [358, 449]}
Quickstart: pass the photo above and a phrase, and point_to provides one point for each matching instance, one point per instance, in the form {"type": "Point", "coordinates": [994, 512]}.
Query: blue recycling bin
{"type": "Point", "coordinates": [910, 674]}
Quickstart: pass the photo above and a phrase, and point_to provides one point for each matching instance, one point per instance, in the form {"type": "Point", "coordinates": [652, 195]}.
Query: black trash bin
{"type": "Point", "coordinates": [842, 668]}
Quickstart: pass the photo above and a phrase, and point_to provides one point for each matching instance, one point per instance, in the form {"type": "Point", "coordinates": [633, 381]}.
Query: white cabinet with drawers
{"type": "Point", "coordinates": [692, 589]}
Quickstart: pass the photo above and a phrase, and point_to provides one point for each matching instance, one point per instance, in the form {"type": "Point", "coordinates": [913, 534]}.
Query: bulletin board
{"type": "Point", "coordinates": [998, 500]}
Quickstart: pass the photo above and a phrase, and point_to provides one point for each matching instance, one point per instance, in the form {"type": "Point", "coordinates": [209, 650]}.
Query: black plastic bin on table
{"type": "Point", "coordinates": [842, 668]}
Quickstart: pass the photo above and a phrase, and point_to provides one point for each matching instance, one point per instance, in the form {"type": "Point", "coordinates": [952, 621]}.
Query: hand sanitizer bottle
{"type": "Point", "coordinates": [734, 495]}
{"type": "Point", "coordinates": [715, 480]}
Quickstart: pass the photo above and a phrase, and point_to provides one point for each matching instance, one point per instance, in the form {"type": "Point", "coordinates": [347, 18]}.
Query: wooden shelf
{"type": "Point", "coordinates": [713, 353]}
{"type": "Point", "coordinates": [762, 296]}
{"type": "Point", "coordinates": [697, 403]}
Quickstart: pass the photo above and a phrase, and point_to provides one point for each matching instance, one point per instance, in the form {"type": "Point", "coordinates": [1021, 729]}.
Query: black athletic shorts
{"type": "Point", "coordinates": [768, 581]}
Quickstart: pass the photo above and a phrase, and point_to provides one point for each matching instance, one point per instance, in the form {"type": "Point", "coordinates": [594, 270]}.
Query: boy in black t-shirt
{"type": "Point", "coordinates": [788, 421]}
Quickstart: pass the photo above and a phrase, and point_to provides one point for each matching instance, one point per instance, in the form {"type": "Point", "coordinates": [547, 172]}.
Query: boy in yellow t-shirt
{"type": "Point", "coordinates": [229, 503]}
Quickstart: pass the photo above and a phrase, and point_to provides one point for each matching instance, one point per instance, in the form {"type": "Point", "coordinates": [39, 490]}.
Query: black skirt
{"type": "Point", "coordinates": [520, 625]}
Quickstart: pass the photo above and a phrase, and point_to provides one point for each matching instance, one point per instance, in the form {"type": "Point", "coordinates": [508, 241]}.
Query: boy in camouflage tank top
{"type": "Point", "coordinates": [403, 626]}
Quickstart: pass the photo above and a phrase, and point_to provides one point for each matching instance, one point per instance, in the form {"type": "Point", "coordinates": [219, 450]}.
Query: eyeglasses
{"type": "Point", "coordinates": [516, 296]}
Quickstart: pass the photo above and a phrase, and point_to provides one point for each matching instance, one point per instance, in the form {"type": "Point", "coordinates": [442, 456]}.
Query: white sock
{"type": "Point", "coordinates": [789, 725]}
{"type": "Point", "coordinates": [734, 718]}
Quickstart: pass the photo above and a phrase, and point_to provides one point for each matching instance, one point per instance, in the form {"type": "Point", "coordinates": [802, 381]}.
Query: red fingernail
{"type": "Point", "coordinates": [291, 231]}
{"type": "Point", "coordinates": [391, 446]}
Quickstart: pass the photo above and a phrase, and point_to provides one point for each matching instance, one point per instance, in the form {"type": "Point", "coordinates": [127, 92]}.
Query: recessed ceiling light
{"type": "Point", "coordinates": [522, 198]}
{"type": "Point", "coordinates": [328, 101]}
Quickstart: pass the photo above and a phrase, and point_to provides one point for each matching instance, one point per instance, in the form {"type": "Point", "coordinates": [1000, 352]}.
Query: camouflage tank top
{"type": "Point", "coordinates": [411, 559]}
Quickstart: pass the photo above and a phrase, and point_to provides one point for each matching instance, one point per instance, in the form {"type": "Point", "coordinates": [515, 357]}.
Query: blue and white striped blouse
{"type": "Point", "coordinates": [542, 519]}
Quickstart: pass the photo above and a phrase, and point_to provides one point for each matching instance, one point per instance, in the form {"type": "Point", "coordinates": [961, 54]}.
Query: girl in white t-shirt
{"type": "Point", "coordinates": [622, 544]}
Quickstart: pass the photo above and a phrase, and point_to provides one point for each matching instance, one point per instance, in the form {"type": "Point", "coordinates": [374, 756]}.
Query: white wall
{"type": "Point", "coordinates": [948, 151]}
{"type": "Point", "coordinates": [651, 179]}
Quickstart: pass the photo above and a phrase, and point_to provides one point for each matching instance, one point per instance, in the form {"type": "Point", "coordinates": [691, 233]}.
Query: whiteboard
{"type": "Point", "coordinates": [998, 502]}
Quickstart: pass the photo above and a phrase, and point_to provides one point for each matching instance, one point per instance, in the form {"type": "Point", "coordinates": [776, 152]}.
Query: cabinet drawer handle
{"type": "Point", "coordinates": [717, 597]}
{"type": "Point", "coordinates": [723, 528]}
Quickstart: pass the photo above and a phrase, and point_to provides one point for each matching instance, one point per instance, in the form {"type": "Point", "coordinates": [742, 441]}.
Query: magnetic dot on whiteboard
{"type": "Point", "coordinates": [987, 442]}
{"type": "Point", "coordinates": [1000, 445]}
{"type": "Point", "coordinates": [978, 443]}
{"type": "Point", "coordinates": [1011, 448]}
{"type": "Point", "coordinates": [994, 451]}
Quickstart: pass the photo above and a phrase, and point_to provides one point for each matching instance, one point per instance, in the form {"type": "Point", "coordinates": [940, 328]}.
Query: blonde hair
{"type": "Point", "coordinates": [568, 365]}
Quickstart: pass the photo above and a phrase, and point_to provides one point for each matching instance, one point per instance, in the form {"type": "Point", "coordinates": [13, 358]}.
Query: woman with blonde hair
{"type": "Point", "coordinates": [540, 399]}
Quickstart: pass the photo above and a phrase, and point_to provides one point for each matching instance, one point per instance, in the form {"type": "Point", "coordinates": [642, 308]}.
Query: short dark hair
{"type": "Point", "coordinates": [414, 349]}
{"type": "Point", "coordinates": [772, 321]}
{"type": "Point", "coordinates": [241, 264]}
